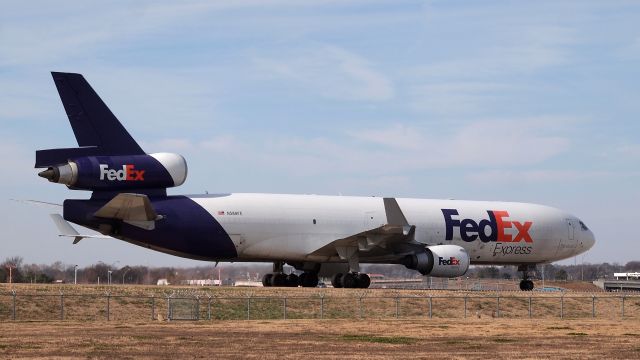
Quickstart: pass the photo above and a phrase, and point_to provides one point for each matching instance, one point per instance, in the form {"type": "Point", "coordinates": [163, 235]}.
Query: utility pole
{"type": "Point", "coordinates": [10, 267]}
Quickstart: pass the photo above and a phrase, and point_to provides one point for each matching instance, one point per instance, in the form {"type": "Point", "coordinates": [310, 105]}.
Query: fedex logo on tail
{"type": "Point", "coordinates": [127, 173]}
{"type": "Point", "coordinates": [497, 223]}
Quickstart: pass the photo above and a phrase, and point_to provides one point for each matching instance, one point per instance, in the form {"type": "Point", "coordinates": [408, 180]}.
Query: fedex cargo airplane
{"type": "Point", "coordinates": [317, 235]}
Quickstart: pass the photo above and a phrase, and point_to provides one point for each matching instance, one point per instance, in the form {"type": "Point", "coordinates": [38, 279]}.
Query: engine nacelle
{"type": "Point", "coordinates": [440, 261]}
{"type": "Point", "coordinates": [160, 170]}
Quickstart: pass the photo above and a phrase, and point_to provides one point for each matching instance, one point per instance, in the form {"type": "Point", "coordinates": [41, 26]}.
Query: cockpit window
{"type": "Point", "coordinates": [583, 226]}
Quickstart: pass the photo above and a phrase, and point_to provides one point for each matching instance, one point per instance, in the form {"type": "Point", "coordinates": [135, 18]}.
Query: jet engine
{"type": "Point", "coordinates": [160, 170]}
{"type": "Point", "coordinates": [440, 261]}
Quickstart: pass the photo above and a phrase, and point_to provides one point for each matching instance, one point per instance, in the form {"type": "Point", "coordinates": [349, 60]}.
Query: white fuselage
{"type": "Point", "coordinates": [276, 227]}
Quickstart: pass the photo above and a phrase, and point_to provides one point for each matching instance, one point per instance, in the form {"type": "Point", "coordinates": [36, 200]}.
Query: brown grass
{"type": "Point", "coordinates": [349, 339]}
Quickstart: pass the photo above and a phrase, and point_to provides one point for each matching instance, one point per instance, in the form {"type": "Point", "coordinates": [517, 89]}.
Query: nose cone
{"type": "Point", "coordinates": [587, 240]}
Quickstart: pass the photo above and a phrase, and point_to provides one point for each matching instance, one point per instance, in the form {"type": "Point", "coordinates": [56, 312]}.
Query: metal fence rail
{"type": "Point", "coordinates": [100, 307]}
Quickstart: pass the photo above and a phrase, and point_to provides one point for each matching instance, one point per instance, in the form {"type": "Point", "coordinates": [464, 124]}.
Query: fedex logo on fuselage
{"type": "Point", "coordinates": [127, 173]}
{"type": "Point", "coordinates": [497, 223]}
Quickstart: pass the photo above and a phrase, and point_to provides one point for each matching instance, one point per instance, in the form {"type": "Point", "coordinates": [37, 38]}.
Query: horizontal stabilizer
{"type": "Point", "coordinates": [67, 230]}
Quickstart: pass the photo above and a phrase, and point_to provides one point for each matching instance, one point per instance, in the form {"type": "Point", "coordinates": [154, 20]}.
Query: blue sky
{"type": "Point", "coordinates": [510, 100]}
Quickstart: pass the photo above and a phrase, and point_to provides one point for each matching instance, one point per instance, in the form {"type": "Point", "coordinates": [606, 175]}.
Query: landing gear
{"type": "Point", "coordinates": [308, 279]}
{"type": "Point", "coordinates": [351, 280]}
{"type": "Point", "coordinates": [526, 284]}
{"type": "Point", "coordinates": [280, 279]}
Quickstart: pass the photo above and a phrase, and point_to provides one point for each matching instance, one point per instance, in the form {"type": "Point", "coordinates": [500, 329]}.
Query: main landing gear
{"type": "Point", "coordinates": [280, 279]}
{"type": "Point", "coordinates": [351, 280]}
{"type": "Point", "coordinates": [306, 279]}
{"type": "Point", "coordinates": [526, 284]}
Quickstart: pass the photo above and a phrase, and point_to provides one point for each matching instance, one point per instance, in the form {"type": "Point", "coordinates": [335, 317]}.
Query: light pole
{"type": "Point", "coordinates": [109, 277]}
{"type": "Point", "coordinates": [75, 274]}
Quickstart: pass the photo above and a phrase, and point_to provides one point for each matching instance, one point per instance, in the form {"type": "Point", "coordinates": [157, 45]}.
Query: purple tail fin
{"type": "Point", "coordinates": [97, 130]}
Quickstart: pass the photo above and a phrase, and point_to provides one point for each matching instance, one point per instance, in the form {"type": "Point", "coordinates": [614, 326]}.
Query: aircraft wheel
{"type": "Point", "coordinates": [526, 285]}
{"type": "Point", "coordinates": [336, 280]}
{"type": "Point", "coordinates": [350, 280]}
{"type": "Point", "coordinates": [363, 281]}
{"type": "Point", "coordinates": [309, 279]}
{"type": "Point", "coordinates": [266, 279]}
{"type": "Point", "coordinates": [279, 279]}
{"type": "Point", "coordinates": [292, 280]}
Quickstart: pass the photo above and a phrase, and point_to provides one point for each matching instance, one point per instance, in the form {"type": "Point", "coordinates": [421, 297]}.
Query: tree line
{"type": "Point", "coordinates": [101, 272]}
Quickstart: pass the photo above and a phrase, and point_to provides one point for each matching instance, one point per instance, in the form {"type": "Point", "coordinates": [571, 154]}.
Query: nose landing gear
{"type": "Point", "coordinates": [526, 284]}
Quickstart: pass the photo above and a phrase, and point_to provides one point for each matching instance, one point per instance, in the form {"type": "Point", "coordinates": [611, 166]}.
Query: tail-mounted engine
{"type": "Point", "coordinates": [440, 261]}
{"type": "Point", "coordinates": [124, 172]}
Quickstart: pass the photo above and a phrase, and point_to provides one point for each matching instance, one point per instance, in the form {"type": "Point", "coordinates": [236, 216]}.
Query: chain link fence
{"type": "Point", "coordinates": [194, 306]}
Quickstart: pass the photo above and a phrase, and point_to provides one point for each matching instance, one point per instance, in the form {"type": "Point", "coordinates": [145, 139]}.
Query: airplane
{"type": "Point", "coordinates": [320, 236]}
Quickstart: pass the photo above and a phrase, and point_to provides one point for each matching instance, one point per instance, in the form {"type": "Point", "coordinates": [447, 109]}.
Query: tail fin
{"type": "Point", "coordinates": [97, 130]}
{"type": "Point", "coordinates": [92, 122]}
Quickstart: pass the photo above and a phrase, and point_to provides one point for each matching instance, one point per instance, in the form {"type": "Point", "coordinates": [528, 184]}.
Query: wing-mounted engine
{"type": "Point", "coordinates": [123, 172]}
{"type": "Point", "coordinates": [440, 261]}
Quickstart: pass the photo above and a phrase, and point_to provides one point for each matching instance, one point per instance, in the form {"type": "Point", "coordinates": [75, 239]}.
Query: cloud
{"type": "Point", "coordinates": [457, 97]}
{"type": "Point", "coordinates": [527, 49]}
{"type": "Point", "coordinates": [331, 71]}
{"type": "Point", "coordinates": [536, 176]}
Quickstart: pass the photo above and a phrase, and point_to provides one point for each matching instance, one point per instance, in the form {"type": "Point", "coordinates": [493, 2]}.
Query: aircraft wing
{"type": "Point", "coordinates": [394, 238]}
{"type": "Point", "coordinates": [66, 230]}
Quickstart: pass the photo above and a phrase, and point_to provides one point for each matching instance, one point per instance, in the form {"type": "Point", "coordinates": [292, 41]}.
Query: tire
{"type": "Point", "coordinates": [292, 280]}
{"type": "Point", "coordinates": [336, 280]}
{"type": "Point", "coordinates": [350, 280]}
{"type": "Point", "coordinates": [363, 281]}
{"type": "Point", "coordinates": [266, 279]}
{"type": "Point", "coordinates": [526, 285]}
{"type": "Point", "coordinates": [279, 280]}
{"type": "Point", "coordinates": [310, 280]}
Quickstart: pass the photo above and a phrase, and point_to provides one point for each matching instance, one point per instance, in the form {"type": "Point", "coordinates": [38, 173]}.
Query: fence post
{"type": "Point", "coordinates": [108, 304]}
{"type": "Point", "coordinates": [623, 305]}
{"type": "Point", "coordinates": [209, 308]}
{"type": "Point", "coordinates": [498, 306]}
{"type": "Point", "coordinates": [322, 306]}
{"type": "Point", "coordinates": [13, 292]}
{"type": "Point", "coordinates": [593, 306]}
{"type": "Point", "coordinates": [169, 308]}
{"type": "Point", "coordinates": [430, 306]}
{"type": "Point", "coordinates": [360, 306]}
{"type": "Point", "coordinates": [284, 308]}
{"type": "Point", "coordinates": [561, 306]}
{"type": "Point", "coordinates": [397, 306]}
{"type": "Point", "coordinates": [153, 307]}
{"type": "Point", "coordinates": [61, 305]}
{"type": "Point", "coordinates": [529, 306]}
{"type": "Point", "coordinates": [248, 307]}
{"type": "Point", "coordinates": [465, 306]}
{"type": "Point", "coordinates": [197, 308]}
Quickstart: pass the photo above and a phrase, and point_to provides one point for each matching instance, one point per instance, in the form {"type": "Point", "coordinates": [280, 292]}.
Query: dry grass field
{"type": "Point", "coordinates": [350, 323]}
{"type": "Point", "coordinates": [329, 339]}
